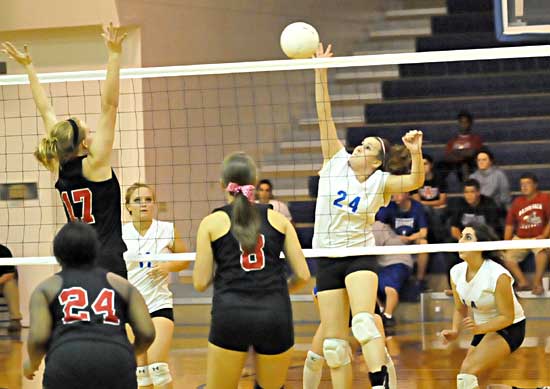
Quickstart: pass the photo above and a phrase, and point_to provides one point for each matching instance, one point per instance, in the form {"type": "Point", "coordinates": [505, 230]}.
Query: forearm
{"type": "Point", "coordinates": [417, 168]}
{"type": "Point", "coordinates": [508, 232]}
{"type": "Point", "coordinates": [176, 266]}
{"type": "Point", "coordinates": [322, 96]}
{"type": "Point", "coordinates": [39, 95]}
{"type": "Point", "coordinates": [458, 315]}
{"type": "Point", "coordinates": [295, 284]}
{"type": "Point", "coordinates": [494, 325]}
{"type": "Point", "coordinates": [36, 351]}
{"type": "Point", "coordinates": [110, 92]}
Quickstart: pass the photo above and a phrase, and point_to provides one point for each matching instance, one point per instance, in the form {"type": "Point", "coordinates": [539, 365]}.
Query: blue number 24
{"type": "Point", "coordinates": [354, 204]}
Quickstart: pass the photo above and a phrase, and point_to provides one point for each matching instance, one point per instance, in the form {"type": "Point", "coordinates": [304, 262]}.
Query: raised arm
{"type": "Point", "coordinates": [102, 146]}
{"type": "Point", "coordinates": [414, 180]}
{"type": "Point", "coordinates": [330, 144]}
{"type": "Point", "coordinates": [38, 94]}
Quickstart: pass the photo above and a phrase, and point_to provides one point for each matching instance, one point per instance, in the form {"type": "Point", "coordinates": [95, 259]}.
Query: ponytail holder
{"type": "Point", "coordinates": [75, 132]}
{"type": "Point", "coordinates": [246, 190]}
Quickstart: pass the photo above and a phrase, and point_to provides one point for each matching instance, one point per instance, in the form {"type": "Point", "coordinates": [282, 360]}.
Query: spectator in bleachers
{"type": "Point", "coordinates": [264, 192]}
{"type": "Point", "coordinates": [393, 273]}
{"type": "Point", "coordinates": [407, 218]}
{"type": "Point", "coordinates": [8, 284]}
{"type": "Point", "coordinates": [461, 150]}
{"type": "Point", "coordinates": [474, 208]}
{"type": "Point", "coordinates": [528, 218]}
{"type": "Point", "coordinates": [433, 196]}
{"type": "Point", "coordinates": [492, 180]}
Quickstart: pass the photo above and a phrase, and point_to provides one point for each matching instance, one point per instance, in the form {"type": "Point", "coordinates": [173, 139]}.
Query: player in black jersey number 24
{"type": "Point", "coordinates": [78, 319]}
{"type": "Point", "coordinates": [251, 303]}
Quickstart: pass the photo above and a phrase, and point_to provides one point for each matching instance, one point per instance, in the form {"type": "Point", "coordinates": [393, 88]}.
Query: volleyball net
{"type": "Point", "coordinates": [175, 125]}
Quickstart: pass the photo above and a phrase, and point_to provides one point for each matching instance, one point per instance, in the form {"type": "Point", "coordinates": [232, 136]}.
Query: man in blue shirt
{"type": "Point", "coordinates": [408, 219]}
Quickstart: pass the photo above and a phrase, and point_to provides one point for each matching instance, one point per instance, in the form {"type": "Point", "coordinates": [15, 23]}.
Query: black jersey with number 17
{"type": "Point", "coordinates": [239, 271]}
{"type": "Point", "coordinates": [97, 204]}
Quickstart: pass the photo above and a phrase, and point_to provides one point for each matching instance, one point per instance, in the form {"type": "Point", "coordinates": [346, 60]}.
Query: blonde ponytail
{"type": "Point", "coordinates": [47, 153]}
{"type": "Point", "coordinates": [59, 145]}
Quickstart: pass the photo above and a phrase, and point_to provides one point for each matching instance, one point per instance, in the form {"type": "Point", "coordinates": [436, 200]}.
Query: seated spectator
{"type": "Point", "coordinates": [408, 220]}
{"type": "Point", "coordinates": [8, 284]}
{"type": "Point", "coordinates": [265, 196]}
{"type": "Point", "coordinates": [461, 150]}
{"type": "Point", "coordinates": [474, 208]}
{"type": "Point", "coordinates": [492, 180]}
{"type": "Point", "coordinates": [433, 196]}
{"type": "Point", "coordinates": [528, 218]}
{"type": "Point", "coordinates": [393, 273]}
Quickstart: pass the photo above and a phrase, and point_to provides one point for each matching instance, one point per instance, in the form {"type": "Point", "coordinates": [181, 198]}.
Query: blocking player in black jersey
{"type": "Point", "coordinates": [86, 182]}
{"type": "Point", "coordinates": [251, 304]}
{"type": "Point", "coordinates": [78, 319]}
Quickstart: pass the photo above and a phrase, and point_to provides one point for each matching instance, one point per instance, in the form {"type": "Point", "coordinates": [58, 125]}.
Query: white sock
{"type": "Point", "coordinates": [313, 370]}
{"type": "Point", "coordinates": [388, 315]}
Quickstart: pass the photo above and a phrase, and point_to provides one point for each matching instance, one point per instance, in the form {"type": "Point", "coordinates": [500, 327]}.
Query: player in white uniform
{"type": "Point", "coordinates": [146, 235]}
{"type": "Point", "coordinates": [498, 322]}
{"type": "Point", "coordinates": [351, 190]}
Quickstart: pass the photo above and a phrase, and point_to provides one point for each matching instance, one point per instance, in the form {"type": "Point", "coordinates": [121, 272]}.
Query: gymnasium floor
{"type": "Point", "coordinates": [418, 368]}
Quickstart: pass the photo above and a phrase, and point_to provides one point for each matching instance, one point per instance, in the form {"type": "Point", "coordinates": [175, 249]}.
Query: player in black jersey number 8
{"type": "Point", "coordinates": [251, 304]}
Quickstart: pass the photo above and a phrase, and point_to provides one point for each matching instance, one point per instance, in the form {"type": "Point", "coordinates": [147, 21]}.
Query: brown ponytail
{"type": "Point", "coordinates": [396, 159]}
{"type": "Point", "coordinates": [240, 169]}
{"type": "Point", "coordinates": [59, 145]}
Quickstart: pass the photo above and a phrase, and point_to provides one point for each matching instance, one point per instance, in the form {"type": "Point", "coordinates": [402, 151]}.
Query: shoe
{"type": "Point", "coordinates": [388, 322]}
{"type": "Point", "coordinates": [15, 325]}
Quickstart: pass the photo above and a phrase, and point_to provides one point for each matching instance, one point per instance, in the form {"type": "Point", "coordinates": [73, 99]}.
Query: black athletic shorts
{"type": "Point", "coordinates": [513, 335]}
{"type": "Point", "coordinates": [240, 321]}
{"type": "Point", "coordinates": [165, 312]}
{"type": "Point", "coordinates": [332, 272]}
{"type": "Point", "coordinates": [85, 364]}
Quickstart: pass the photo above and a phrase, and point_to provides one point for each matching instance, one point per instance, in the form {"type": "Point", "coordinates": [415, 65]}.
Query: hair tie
{"type": "Point", "coordinates": [246, 190]}
{"type": "Point", "coordinates": [75, 132]}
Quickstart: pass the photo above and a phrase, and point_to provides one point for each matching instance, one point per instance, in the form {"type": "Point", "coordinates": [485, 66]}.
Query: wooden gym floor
{"type": "Point", "coordinates": [421, 361]}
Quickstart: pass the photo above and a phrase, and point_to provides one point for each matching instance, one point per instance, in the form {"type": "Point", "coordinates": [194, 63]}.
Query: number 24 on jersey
{"type": "Point", "coordinates": [342, 196]}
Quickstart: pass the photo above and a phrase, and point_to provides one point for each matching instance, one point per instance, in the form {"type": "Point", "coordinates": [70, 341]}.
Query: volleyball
{"type": "Point", "coordinates": [299, 40]}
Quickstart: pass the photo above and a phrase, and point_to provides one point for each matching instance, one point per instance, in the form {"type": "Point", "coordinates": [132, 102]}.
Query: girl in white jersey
{"type": "Point", "coordinates": [498, 322]}
{"type": "Point", "coordinates": [351, 190]}
{"type": "Point", "coordinates": [146, 235]}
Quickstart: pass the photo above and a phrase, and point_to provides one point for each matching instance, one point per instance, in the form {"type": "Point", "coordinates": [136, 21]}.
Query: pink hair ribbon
{"type": "Point", "coordinates": [247, 190]}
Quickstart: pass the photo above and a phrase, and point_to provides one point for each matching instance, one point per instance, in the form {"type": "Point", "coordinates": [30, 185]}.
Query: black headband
{"type": "Point", "coordinates": [75, 132]}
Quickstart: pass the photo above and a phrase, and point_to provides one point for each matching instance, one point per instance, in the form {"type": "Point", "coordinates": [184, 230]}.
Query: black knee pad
{"type": "Point", "coordinates": [380, 378]}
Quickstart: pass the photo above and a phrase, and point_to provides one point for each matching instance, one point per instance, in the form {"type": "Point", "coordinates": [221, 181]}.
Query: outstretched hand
{"type": "Point", "coordinates": [113, 38]}
{"type": "Point", "coordinates": [320, 53]}
{"type": "Point", "coordinates": [23, 58]}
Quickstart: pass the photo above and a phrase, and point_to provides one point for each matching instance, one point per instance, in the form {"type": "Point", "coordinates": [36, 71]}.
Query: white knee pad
{"type": "Point", "coordinates": [466, 381]}
{"type": "Point", "coordinates": [142, 374]}
{"type": "Point", "coordinates": [160, 373]}
{"type": "Point", "coordinates": [337, 352]}
{"type": "Point", "coordinates": [364, 328]}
